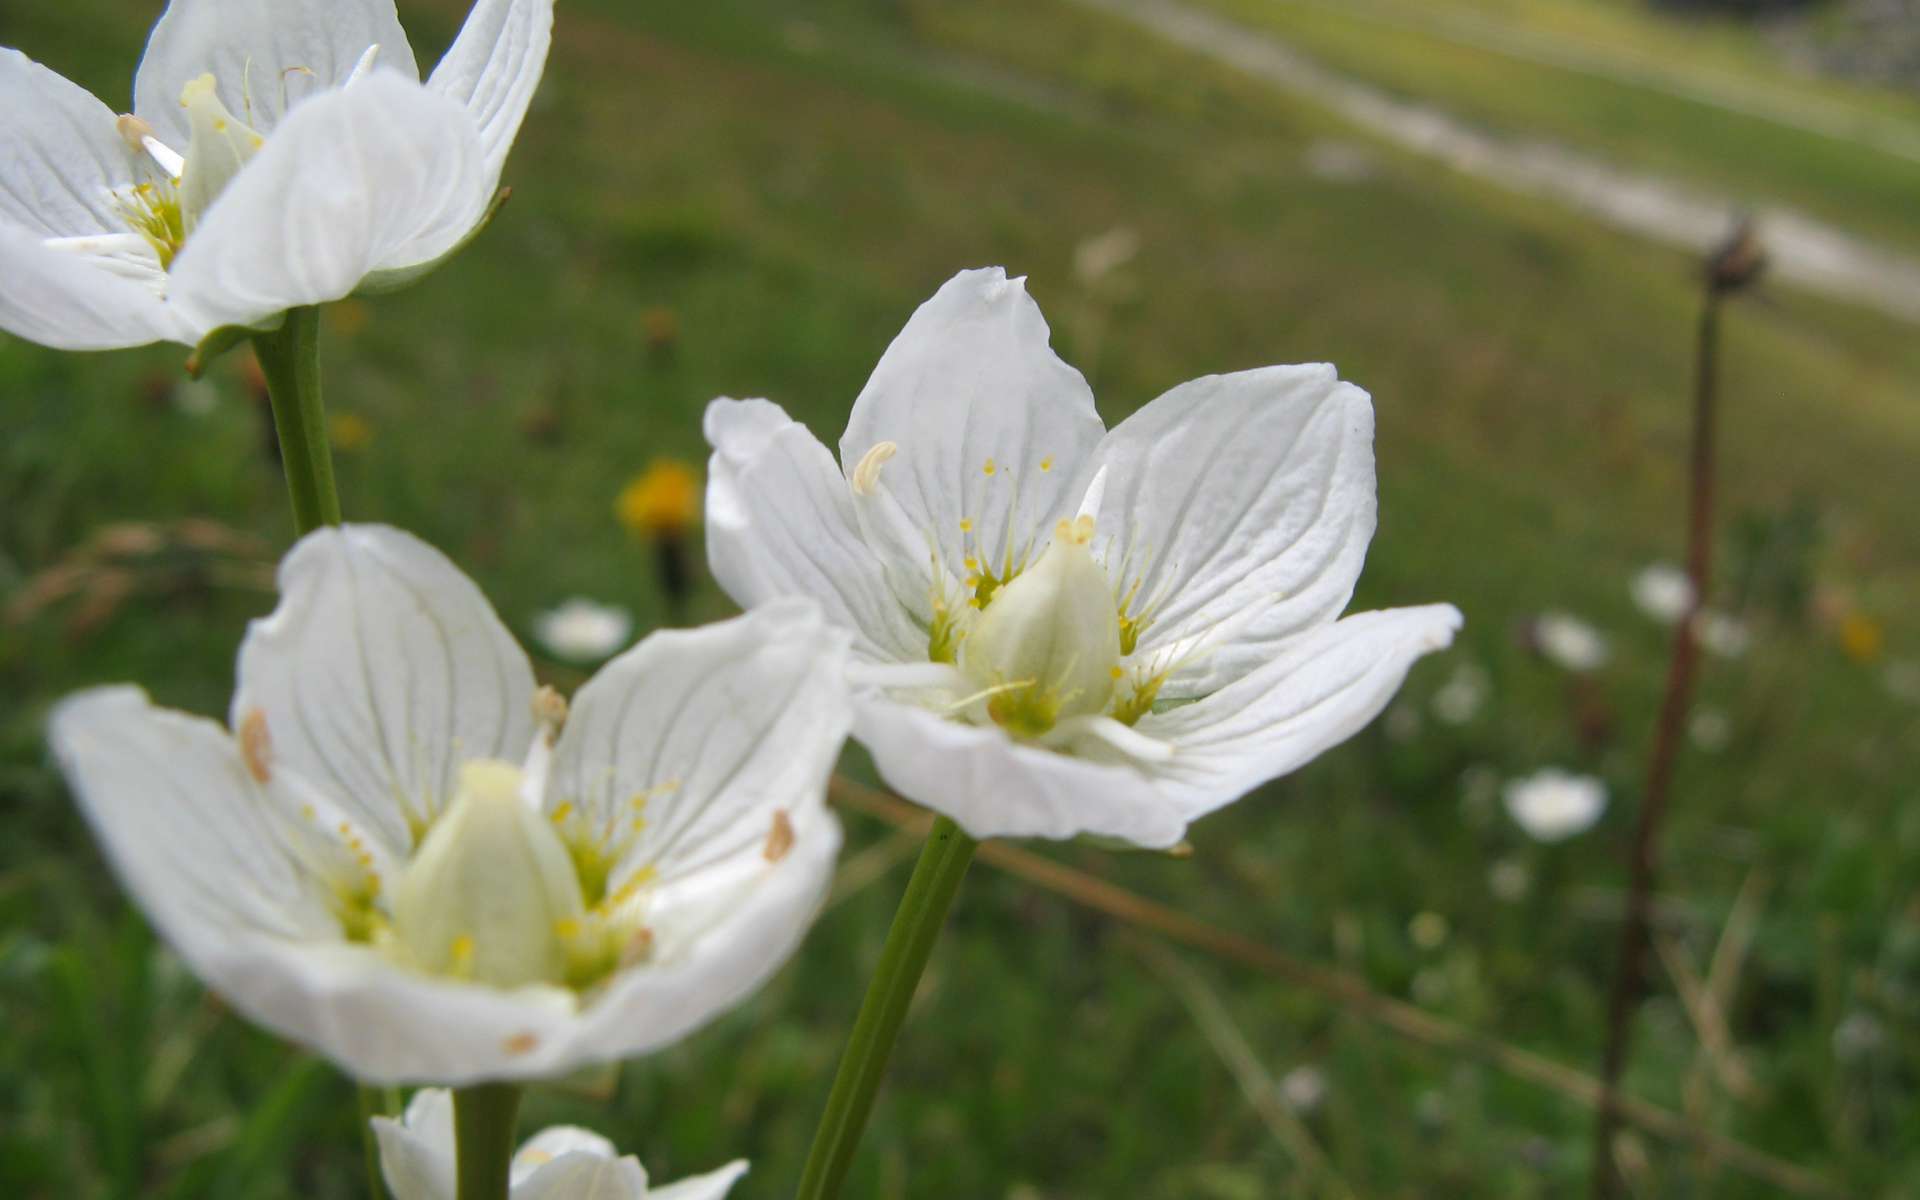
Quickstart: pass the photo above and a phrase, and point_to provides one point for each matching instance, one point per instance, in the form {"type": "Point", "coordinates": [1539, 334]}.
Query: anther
{"type": "Point", "coordinates": [779, 838]}
{"type": "Point", "coordinates": [256, 745]}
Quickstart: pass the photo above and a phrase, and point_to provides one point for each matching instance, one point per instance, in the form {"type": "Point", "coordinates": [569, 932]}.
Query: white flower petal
{"type": "Point", "coordinates": [268, 55]}
{"type": "Point", "coordinates": [417, 1152]}
{"type": "Point", "coordinates": [379, 176]}
{"type": "Point", "coordinates": [711, 1186]}
{"type": "Point", "coordinates": [494, 67]}
{"type": "Point", "coordinates": [717, 727]}
{"type": "Point", "coordinates": [184, 824]}
{"type": "Point", "coordinates": [994, 786]}
{"type": "Point", "coordinates": [780, 522]}
{"type": "Point", "coordinates": [553, 1141]}
{"type": "Point", "coordinates": [381, 671]}
{"type": "Point", "coordinates": [386, 1024]}
{"type": "Point", "coordinates": [1236, 492]}
{"type": "Point", "coordinates": [992, 427]}
{"type": "Point", "coordinates": [579, 1176]}
{"type": "Point", "coordinates": [61, 154]}
{"type": "Point", "coordinates": [1319, 690]}
{"type": "Point", "coordinates": [73, 301]}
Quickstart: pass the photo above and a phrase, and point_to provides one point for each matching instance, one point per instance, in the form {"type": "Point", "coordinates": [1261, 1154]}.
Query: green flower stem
{"type": "Point", "coordinates": [483, 1120]}
{"type": "Point", "coordinates": [290, 358]}
{"type": "Point", "coordinates": [371, 1107]}
{"type": "Point", "coordinates": [916, 926]}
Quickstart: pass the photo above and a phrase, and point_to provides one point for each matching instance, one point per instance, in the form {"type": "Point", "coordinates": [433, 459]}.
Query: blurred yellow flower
{"type": "Point", "coordinates": [1861, 637]}
{"type": "Point", "coordinates": [349, 432]}
{"type": "Point", "coordinates": [662, 500]}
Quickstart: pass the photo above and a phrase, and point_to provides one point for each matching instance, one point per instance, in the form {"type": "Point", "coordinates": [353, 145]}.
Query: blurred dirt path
{"type": "Point", "coordinates": [1801, 249]}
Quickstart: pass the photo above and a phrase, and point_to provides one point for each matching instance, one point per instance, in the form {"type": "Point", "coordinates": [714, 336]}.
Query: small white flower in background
{"type": "Point", "coordinates": [562, 1162]}
{"type": "Point", "coordinates": [1722, 633]}
{"type": "Point", "coordinates": [1902, 680]}
{"type": "Point", "coordinates": [583, 630]}
{"type": "Point", "coordinates": [1569, 641]}
{"type": "Point", "coordinates": [278, 155]}
{"type": "Point", "coordinates": [407, 858]}
{"type": "Point", "coordinates": [1711, 729]}
{"type": "Point", "coordinates": [1552, 805]}
{"type": "Point", "coordinates": [1460, 699]}
{"type": "Point", "coordinates": [1059, 628]}
{"type": "Point", "coordinates": [1663, 592]}
{"type": "Point", "coordinates": [1509, 880]}
{"type": "Point", "coordinates": [1101, 255]}
{"type": "Point", "coordinates": [1304, 1088]}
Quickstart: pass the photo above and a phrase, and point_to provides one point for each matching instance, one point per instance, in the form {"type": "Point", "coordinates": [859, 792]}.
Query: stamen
{"type": "Point", "coordinates": [139, 137]}
{"type": "Point", "coordinates": [779, 838]}
{"type": "Point", "coordinates": [360, 68]}
{"type": "Point", "coordinates": [866, 474]}
{"type": "Point", "coordinates": [256, 745]}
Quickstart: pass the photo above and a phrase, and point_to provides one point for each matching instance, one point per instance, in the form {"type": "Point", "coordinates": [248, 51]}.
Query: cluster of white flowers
{"type": "Point", "coordinates": [402, 853]}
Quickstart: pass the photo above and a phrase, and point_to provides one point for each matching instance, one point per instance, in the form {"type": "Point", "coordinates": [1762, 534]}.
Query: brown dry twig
{"type": "Point", "coordinates": [1352, 993]}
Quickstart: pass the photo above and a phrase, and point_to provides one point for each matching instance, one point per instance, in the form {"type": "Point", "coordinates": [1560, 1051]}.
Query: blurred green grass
{"type": "Point", "coordinates": [780, 190]}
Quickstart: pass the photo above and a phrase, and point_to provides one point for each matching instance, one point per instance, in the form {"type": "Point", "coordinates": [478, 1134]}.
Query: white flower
{"type": "Point", "coordinates": [1304, 1088]}
{"type": "Point", "coordinates": [278, 155]}
{"type": "Point", "coordinates": [1060, 629]}
{"type": "Point", "coordinates": [1663, 592]}
{"type": "Point", "coordinates": [1570, 642]}
{"type": "Point", "coordinates": [359, 864]}
{"type": "Point", "coordinates": [562, 1162]}
{"type": "Point", "coordinates": [583, 630]}
{"type": "Point", "coordinates": [1552, 805]}
{"type": "Point", "coordinates": [1460, 699]}
{"type": "Point", "coordinates": [1722, 633]}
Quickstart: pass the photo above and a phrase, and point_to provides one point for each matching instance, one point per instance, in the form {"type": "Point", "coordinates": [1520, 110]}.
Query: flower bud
{"type": "Point", "coordinates": [1048, 643]}
{"type": "Point", "coordinates": [486, 894]}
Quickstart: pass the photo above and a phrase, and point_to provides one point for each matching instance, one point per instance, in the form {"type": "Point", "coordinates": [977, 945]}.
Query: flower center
{"type": "Point", "coordinates": [165, 209]}
{"type": "Point", "coordinates": [1047, 643]}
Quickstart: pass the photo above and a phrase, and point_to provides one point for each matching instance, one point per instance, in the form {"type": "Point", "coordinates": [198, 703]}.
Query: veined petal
{"type": "Point", "coordinates": [185, 826]}
{"type": "Point", "coordinates": [780, 522]}
{"type": "Point", "coordinates": [71, 298]}
{"type": "Point", "coordinates": [387, 1024]}
{"type": "Point", "coordinates": [991, 427]}
{"type": "Point", "coordinates": [417, 1152]}
{"type": "Point", "coordinates": [378, 176]}
{"type": "Point", "coordinates": [494, 67]}
{"type": "Point", "coordinates": [1236, 492]}
{"type": "Point", "coordinates": [994, 786]}
{"type": "Point", "coordinates": [268, 55]}
{"type": "Point", "coordinates": [381, 671]}
{"type": "Point", "coordinates": [701, 736]}
{"type": "Point", "coordinates": [61, 154]}
{"type": "Point", "coordinates": [578, 1175]}
{"type": "Point", "coordinates": [1321, 689]}
{"type": "Point", "coordinates": [711, 1186]}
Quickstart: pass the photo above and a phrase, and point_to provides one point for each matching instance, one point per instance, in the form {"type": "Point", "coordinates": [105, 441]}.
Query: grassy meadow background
{"type": "Point", "coordinates": [730, 197]}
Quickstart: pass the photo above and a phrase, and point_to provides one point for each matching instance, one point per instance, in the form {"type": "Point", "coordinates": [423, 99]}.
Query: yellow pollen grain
{"type": "Point", "coordinates": [1116, 672]}
{"type": "Point", "coordinates": [561, 813]}
{"type": "Point", "coordinates": [1046, 464]}
{"type": "Point", "coordinates": [219, 126]}
{"type": "Point", "coordinates": [973, 602]}
{"type": "Point", "coordinates": [989, 468]}
{"type": "Point", "coordinates": [463, 952]}
{"type": "Point", "coordinates": [639, 824]}
{"type": "Point", "coordinates": [566, 927]}
{"type": "Point", "coordinates": [970, 563]}
{"type": "Point", "coordinates": [966, 524]}
{"type": "Point", "coordinates": [639, 801]}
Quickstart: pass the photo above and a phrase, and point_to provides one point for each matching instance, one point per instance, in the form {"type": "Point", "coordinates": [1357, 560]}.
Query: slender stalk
{"type": "Point", "coordinates": [1629, 979]}
{"type": "Point", "coordinates": [916, 926]}
{"type": "Point", "coordinates": [290, 359]}
{"type": "Point", "coordinates": [483, 1121]}
{"type": "Point", "coordinates": [371, 1107]}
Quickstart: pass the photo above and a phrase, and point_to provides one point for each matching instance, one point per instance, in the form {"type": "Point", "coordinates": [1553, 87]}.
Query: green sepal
{"type": "Point", "coordinates": [222, 340]}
